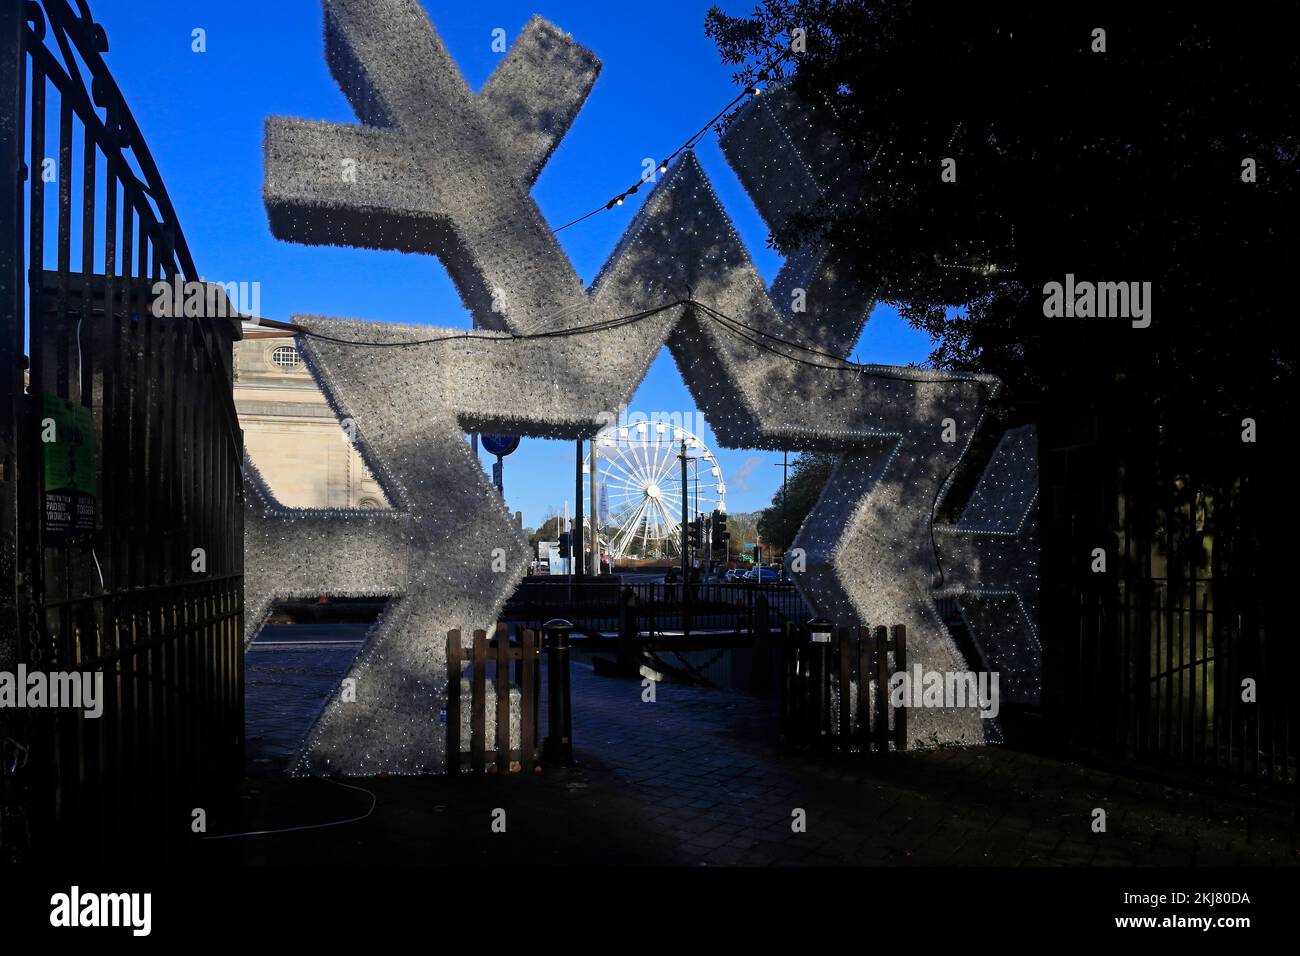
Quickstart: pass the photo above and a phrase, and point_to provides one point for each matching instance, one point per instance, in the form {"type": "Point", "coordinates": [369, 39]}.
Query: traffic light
{"type": "Point", "coordinates": [564, 545]}
{"type": "Point", "coordinates": [720, 536]}
{"type": "Point", "coordinates": [695, 534]}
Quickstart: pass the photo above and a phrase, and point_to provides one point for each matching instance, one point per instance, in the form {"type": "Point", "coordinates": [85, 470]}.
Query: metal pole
{"type": "Point", "coordinates": [12, 79]}
{"type": "Point", "coordinates": [595, 515]}
{"type": "Point", "coordinates": [698, 559]}
{"type": "Point", "coordinates": [473, 438]}
{"type": "Point", "coordinates": [579, 556]}
{"type": "Point", "coordinates": [785, 478]}
{"type": "Point", "coordinates": [686, 577]}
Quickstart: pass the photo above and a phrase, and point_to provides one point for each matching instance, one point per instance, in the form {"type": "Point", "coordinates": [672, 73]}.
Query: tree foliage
{"type": "Point", "coordinates": [809, 473]}
{"type": "Point", "coordinates": [1119, 165]}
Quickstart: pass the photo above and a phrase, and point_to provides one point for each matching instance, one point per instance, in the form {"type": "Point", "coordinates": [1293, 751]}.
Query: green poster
{"type": "Point", "coordinates": [68, 439]}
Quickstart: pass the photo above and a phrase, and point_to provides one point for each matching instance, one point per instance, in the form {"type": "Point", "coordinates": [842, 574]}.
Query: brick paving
{"type": "Point", "coordinates": [289, 673]}
{"type": "Point", "coordinates": [694, 779]}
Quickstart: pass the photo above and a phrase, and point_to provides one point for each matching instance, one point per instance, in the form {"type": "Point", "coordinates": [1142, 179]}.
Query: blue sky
{"type": "Point", "coordinates": [202, 115]}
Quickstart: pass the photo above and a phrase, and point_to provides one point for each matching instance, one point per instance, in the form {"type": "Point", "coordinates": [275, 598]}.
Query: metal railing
{"type": "Point", "coordinates": [712, 606]}
{"type": "Point", "coordinates": [1171, 654]}
{"type": "Point", "coordinates": [133, 567]}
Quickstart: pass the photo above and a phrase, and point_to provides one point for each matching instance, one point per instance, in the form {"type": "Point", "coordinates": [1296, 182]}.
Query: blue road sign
{"type": "Point", "coordinates": [499, 445]}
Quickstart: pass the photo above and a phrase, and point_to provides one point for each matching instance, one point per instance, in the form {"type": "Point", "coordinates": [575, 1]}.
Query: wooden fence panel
{"type": "Point", "coordinates": [455, 659]}
{"type": "Point", "coordinates": [858, 657]}
{"type": "Point", "coordinates": [502, 764]}
{"type": "Point", "coordinates": [881, 641]}
{"type": "Point", "coordinates": [844, 656]}
{"type": "Point", "coordinates": [478, 703]}
{"type": "Point", "coordinates": [900, 667]}
{"type": "Point", "coordinates": [525, 656]}
{"type": "Point", "coordinates": [531, 680]}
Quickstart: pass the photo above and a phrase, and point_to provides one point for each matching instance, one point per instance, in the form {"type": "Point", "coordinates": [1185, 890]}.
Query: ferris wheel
{"type": "Point", "coordinates": [639, 477]}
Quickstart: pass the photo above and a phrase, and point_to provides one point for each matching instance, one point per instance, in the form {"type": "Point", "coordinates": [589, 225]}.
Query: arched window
{"type": "Point", "coordinates": [285, 356]}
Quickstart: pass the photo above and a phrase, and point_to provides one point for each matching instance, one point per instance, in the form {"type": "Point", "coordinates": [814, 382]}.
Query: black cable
{"type": "Point", "coordinates": [737, 328]}
{"type": "Point", "coordinates": [663, 163]}
{"type": "Point", "coordinates": [308, 826]}
{"type": "Point", "coordinates": [733, 325]}
{"type": "Point", "coordinates": [792, 344]}
{"type": "Point", "coordinates": [580, 219]}
{"type": "Point", "coordinates": [601, 326]}
{"type": "Point", "coordinates": [845, 365]}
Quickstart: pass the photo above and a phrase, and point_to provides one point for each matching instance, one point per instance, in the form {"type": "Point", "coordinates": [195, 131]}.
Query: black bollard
{"type": "Point", "coordinates": [558, 749]}
{"type": "Point", "coordinates": [819, 636]}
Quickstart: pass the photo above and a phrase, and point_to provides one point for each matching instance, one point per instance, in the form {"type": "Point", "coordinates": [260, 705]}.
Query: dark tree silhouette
{"type": "Point", "coordinates": [1122, 165]}
{"type": "Point", "coordinates": [808, 475]}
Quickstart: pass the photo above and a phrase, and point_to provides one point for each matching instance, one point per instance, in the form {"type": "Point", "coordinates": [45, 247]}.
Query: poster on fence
{"type": "Point", "coordinates": [68, 443]}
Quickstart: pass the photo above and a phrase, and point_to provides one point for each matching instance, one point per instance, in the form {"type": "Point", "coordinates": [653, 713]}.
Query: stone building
{"type": "Point", "coordinates": [290, 431]}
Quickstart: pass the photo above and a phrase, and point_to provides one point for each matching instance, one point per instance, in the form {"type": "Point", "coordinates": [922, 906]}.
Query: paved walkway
{"type": "Point", "coordinates": [692, 779]}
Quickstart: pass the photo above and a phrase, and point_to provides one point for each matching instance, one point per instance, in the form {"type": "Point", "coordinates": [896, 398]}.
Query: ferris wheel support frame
{"type": "Point", "coordinates": [640, 484]}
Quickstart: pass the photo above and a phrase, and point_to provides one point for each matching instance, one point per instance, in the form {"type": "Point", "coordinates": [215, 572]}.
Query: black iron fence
{"type": "Point", "coordinates": [121, 466]}
{"type": "Point", "coordinates": [1163, 674]}
{"type": "Point", "coordinates": [1164, 600]}
{"type": "Point", "coordinates": [698, 607]}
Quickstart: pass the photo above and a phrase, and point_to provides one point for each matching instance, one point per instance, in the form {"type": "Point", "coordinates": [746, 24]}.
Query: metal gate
{"type": "Point", "coordinates": [1171, 652]}
{"type": "Point", "coordinates": [122, 542]}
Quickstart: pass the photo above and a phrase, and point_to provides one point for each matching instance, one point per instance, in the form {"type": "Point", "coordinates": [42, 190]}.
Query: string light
{"type": "Point", "coordinates": [663, 163]}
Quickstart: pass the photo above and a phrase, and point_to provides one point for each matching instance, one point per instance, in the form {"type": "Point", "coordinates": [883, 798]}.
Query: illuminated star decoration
{"type": "Point", "coordinates": [346, 553]}
{"type": "Point", "coordinates": [434, 168]}
{"type": "Point", "coordinates": [866, 542]}
{"type": "Point", "coordinates": [412, 404]}
{"type": "Point", "coordinates": [991, 565]}
{"type": "Point", "coordinates": [367, 186]}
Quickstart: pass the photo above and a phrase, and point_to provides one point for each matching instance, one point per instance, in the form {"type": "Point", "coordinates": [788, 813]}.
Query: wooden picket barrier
{"type": "Point", "coordinates": [525, 655]}
{"type": "Point", "coordinates": [858, 657]}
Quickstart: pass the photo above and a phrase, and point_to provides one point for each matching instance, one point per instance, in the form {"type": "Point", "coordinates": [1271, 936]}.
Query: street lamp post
{"type": "Point", "coordinates": [576, 542]}
{"type": "Point", "coordinates": [595, 513]}
{"type": "Point", "coordinates": [785, 478]}
{"type": "Point", "coordinates": [686, 622]}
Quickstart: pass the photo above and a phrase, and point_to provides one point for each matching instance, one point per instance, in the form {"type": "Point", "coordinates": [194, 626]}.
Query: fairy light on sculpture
{"type": "Point", "coordinates": [411, 405]}
{"type": "Point", "coordinates": [663, 163]}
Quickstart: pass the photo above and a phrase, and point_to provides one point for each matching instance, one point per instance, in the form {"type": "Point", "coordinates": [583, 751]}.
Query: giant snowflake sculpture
{"type": "Point", "coordinates": [440, 170]}
{"type": "Point", "coordinates": [991, 566]}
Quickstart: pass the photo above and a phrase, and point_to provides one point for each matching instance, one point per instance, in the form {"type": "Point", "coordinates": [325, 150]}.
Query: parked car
{"type": "Point", "coordinates": [764, 575]}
